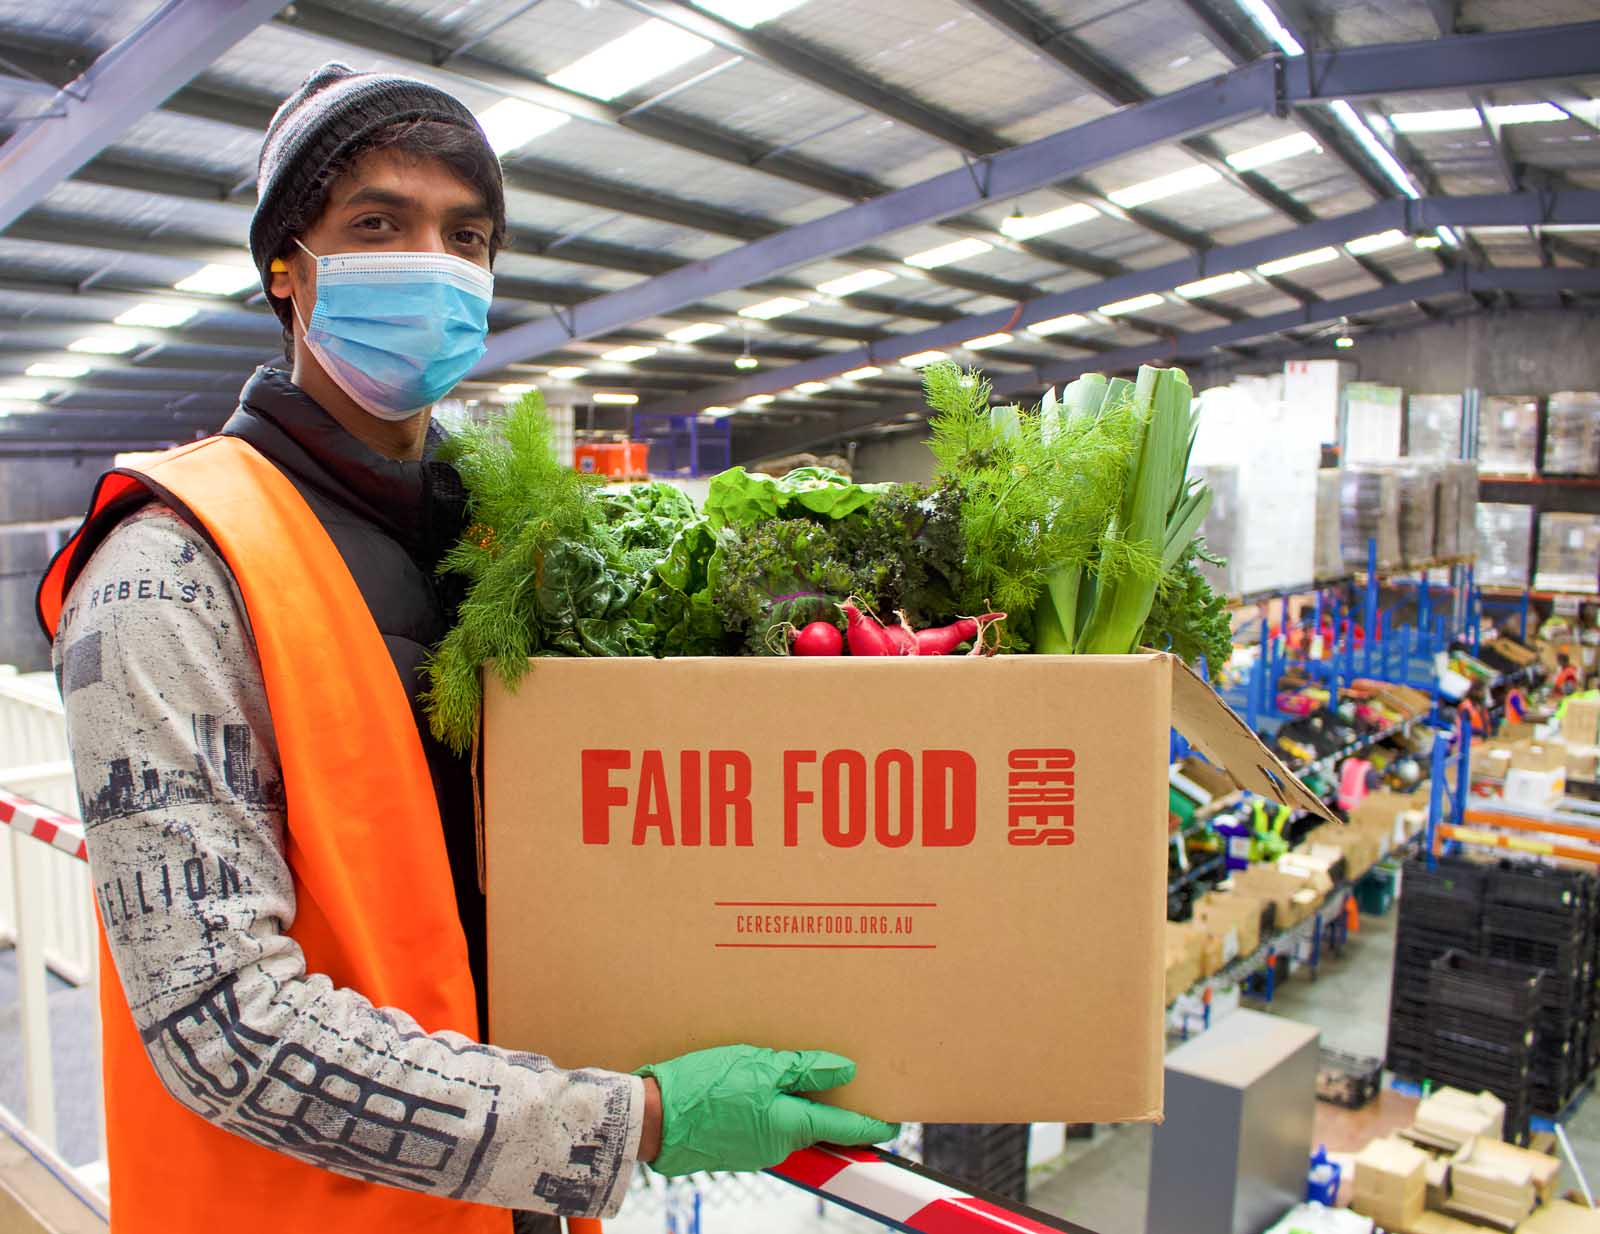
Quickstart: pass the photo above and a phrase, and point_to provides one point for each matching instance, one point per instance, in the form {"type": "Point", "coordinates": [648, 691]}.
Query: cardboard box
{"type": "Point", "coordinates": [1438, 1176]}
{"type": "Point", "coordinates": [1391, 1183]}
{"type": "Point", "coordinates": [1583, 763]}
{"type": "Point", "coordinates": [1538, 756]}
{"type": "Point", "coordinates": [1452, 1118]}
{"type": "Point", "coordinates": [1318, 871]}
{"type": "Point", "coordinates": [1539, 790]}
{"type": "Point", "coordinates": [1185, 948]}
{"type": "Point", "coordinates": [1560, 1217]}
{"type": "Point", "coordinates": [1495, 1165]}
{"type": "Point", "coordinates": [850, 868]}
{"type": "Point", "coordinates": [1233, 919]}
{"type": "Point", "coordinates": [1292, 894]}
{"type": "Point", "coordinates": [1580, 723]}
{"type": "Point", "coordinates": [1514, 651]}
{"type": "Point", "coordinates": [1443, 1223]}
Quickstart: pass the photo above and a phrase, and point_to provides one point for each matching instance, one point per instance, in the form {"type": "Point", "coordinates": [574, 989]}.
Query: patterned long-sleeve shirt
{"type": "Point", "coordinates": [181, 795]}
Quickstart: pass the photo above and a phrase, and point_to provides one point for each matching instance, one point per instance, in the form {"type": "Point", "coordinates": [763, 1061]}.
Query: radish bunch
{"type": "Point", "coordinates": [865, 635]}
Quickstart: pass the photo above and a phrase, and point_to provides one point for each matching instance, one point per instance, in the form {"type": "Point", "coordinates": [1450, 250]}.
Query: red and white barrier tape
{"type": "Point", "coordinates": [877, 1186]}
{"type": "Point", "coordinates": [43, 824]}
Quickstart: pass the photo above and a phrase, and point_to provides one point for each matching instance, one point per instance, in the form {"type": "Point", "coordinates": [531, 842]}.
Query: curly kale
{"type": "Point", "coordinates": [1188, 619]}
{"type": "Point", "coordinates": [776, 572]}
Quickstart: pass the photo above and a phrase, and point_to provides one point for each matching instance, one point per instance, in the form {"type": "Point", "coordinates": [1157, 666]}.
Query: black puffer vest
{"type": "Point", "coordinates": [391, 521]}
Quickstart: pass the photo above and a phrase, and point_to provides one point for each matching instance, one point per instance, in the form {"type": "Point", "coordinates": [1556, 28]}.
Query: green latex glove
{"type": "Point", "coordinates": [736, 1108]}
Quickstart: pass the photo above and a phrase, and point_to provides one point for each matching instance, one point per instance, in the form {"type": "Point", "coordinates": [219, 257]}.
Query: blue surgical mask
{"type": "Point", "coordinates": [397, 331]}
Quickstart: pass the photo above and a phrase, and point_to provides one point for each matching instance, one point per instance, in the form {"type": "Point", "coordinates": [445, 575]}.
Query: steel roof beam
{"type": "Point", "coordinates": [1253, 89]}
{"type": "Point", "coordinates": [1460, 281]}
{"type": "Point", "coordinates": [1396, 214]}
{"type": "Point", "coordinates": [177, 42]}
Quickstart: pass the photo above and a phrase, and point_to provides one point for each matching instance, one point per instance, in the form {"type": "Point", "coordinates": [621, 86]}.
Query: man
{"type": "Point", "coordinates": [284, 860]}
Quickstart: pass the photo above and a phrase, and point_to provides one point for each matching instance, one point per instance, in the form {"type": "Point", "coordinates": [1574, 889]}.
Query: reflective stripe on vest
{"type": "Point", "coordinates": [375, 905]}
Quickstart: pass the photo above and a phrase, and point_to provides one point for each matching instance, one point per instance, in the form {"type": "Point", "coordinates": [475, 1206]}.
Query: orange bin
{"type": "Point", "coordinates": [616, 459]}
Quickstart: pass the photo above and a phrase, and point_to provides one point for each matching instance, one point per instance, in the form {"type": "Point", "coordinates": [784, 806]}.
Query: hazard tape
{"type": "Point", "coordinates": [43, 824]}
{"type": "Point", "coordinates": [879, 1187]}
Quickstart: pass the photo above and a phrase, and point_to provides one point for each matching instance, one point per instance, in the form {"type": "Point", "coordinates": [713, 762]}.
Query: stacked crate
{"type": "Point", "coordinates": [1482, 1029]}
{"type": "Point", "coordinates": [1441, 910]}
{"type": "Point", "coordinates": [1543, 917]}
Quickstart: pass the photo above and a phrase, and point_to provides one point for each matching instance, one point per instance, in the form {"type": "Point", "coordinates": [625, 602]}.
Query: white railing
{"type": "Point", "coordinates": [46, 897]}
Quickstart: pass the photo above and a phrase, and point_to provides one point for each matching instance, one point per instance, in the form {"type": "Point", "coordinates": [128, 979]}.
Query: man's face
{"type": "Point", "coordinates": [390, 202]}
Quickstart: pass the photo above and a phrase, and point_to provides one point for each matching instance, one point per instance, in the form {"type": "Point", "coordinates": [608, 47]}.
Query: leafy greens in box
{"type": "Point", "coordinates": [1078, 519]}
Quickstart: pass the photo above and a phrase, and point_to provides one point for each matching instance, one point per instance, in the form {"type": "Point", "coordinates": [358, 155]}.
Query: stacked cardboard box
{"type": "Point", "coordinates": [1572, 433]}
{"type": "Point", "coordinates": [1504, 539]}
{"type": "Point", "coordinates": [1234, 920]}
{"type": "Point", "coordinates": [1369, 510]}
{"type": "Point", "coordinates": [1580, 730]}
{"type": "Point", "coordinates": [1569, 553]}
{"type": "Point", "coordinates": [1419, 508]}
{"type": "Point", "coordinates": [1465, 473]}
{"type": "Point", "coordinates": [1295, 895]}
{"type": "Point", "coordinates": [1499, 1182]}
{"type": "Point", "coordinates": [1223, 529]}
{"type": "Point", "coordinates": [1508, 435]}
{"type": "Point", "coordinates": [1433, 426]}
{"type": "Point", "coordinates": [1185, 956]}
{"type": "Point", "coordinates": [1391, 1183]}
{"type": "Point", "coordinates": [1451, 1119]}
{"type": "Point", "coordinates": [1329, 556]}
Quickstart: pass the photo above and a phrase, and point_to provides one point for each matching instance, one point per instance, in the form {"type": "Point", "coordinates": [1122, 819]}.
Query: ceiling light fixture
{"type": "Point", "coordinates": [812, 387]}
{"type": "Point", "coordinates": [1377, 242]}
{"type": "Point", "coordinates": [861, 374]}
{"type": "Point", "coordinates": [944, 254]}
{"type": "Point", "coordinates": [512, 123]}
{"type": "Point", "coordinates": [986, 341]}
{"type": "Point", "coordinates": [1276, 151]}
{"type": "Point", "coordinates": [1056, 325]}
{"type": "Point", "coordinates": [516, 388]}
{"type": "Point", "coordinates": [747, 361]}
{"type": "Point", "coordinates": [716, 413]}
{"type": "Point", "coordinates": [159, 316]}
{"type": "Point", "coordinates": [849, 284]}
{"type": "Point", "coordinates": [760, 400]}
{"type": "Point", "coordinates": [1284, 265]}
{"type": "Point", "coordinates": [616, 400]}
{"type": "Point", "coordinates": [627, 62]}
{"type": "Point", "coordinates": [55, 368]}
{"type": "Point", "coordinates": [219, 280]}
{"type": "Point", "coordinates": [1118, 307]}
{"type": "Point", "coordinates": [567, 372]}
{"type": "Point", "coordinates": [1428, 242]}
{"type": "Point", "coordinates": [748, 13]}
{"type": "Point", "coordinates": [1344, 341]}
{"type": "Point", "coordinates": [921, 359]}
{"type": "Point", "coordinates": [628, 354]}
{"type": "Point", "coordinates": [23, 392]}
{"type": "Point", "coordinates": [1435, 121]}
{"type": "Point", "coordinates": [1025, 227]}
{"type": "Point", "coordinates": [104, 344]}
{"type": "Point", "coordinates": [775, 307]}
{"type": "Point", "coordinates": [693, 334]}
{"type": "Point", "coordinates": [1213, 286]}
{"type": "Point", "coordinates": [1169, 185]}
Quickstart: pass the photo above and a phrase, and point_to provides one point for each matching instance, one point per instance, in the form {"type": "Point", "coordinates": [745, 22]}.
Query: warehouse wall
{"type": "Point", "coordinates": [905, 456]}
{"type": "Point", "coordinates": [35, 490]}
{"type": "Point", "coordinates": [1501, 353]}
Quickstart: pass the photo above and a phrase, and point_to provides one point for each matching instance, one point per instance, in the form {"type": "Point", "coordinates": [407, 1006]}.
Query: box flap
{"type": "Point", "coordinates": [1225, 739]}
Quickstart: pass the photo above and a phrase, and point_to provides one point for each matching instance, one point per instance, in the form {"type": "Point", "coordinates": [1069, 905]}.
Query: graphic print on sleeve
{"type": "Point", "coordinates": [182, 799]}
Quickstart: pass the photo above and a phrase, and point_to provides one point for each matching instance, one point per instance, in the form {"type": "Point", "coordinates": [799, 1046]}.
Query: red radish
{"type": "Point", "coordinates": [819, 638]}
{"type": "Point", "coordinates": [863, 633]}
{"type": "Point", "coordinates": [943, 640]}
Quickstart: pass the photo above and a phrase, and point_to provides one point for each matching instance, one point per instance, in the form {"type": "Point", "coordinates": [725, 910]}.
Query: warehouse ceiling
{"type": "Point", "coordinates": [775, 210]}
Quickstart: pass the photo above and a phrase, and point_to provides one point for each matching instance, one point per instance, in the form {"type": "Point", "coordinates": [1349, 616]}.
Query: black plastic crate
{"type": "Point", "coordinates": [1494, 988]}
{"type": "Point", "coordinates": [990, 1156]}
{"type": "Point", "coordinates": [1348, 1080]}
{"type": "Point", "coordinates": [1542, 888]}
{"type": "Point", "coordinates": [1564, 929]}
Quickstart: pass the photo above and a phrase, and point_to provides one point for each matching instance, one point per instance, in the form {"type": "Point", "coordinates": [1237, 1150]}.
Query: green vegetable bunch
{"type": "Point", "coordinates": [546, 571]}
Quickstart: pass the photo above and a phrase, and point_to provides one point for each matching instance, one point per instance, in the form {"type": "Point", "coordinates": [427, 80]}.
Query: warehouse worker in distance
{"type": "Point", "coordinates": [284, 859]}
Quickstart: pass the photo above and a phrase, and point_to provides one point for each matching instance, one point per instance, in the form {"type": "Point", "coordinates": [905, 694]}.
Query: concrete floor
{"type": "Point", "coordinates": [1102, 1183]}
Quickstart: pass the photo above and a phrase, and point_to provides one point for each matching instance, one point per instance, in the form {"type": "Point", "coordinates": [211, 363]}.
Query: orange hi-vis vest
{"type": "Point", "coordinates": [375, 906]}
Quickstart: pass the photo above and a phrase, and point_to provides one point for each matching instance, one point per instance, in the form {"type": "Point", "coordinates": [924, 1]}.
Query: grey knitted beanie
{"type": "Point", "coordinates": [334, 109]}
